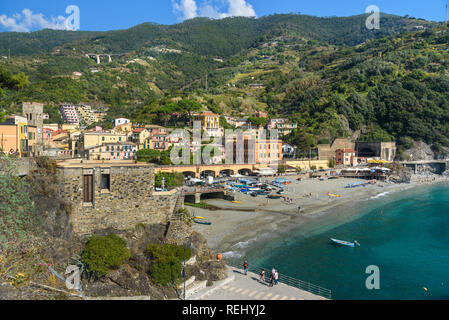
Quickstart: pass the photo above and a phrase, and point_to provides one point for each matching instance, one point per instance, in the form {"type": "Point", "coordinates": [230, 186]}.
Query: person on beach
{"type": "Point", "coordinates": [245, 267]}
{"type": "Point", "coordinates": [276, 277]}
{"type": "Point", "coordinates": [262, 275]}
{"type": "Point", "coordinates": [271, 280]}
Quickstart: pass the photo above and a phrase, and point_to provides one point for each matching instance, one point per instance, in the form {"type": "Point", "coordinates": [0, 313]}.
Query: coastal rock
{"type": "Point", "coordinates": [420, 151]}
{"type": "Point", "coordinates": [137, 282]}
{"type": "Point", "coordinates": [8, 292]}
{"type": "Point", "coordinates": [200, 246]}
{"type": "Point", "coordinates": [105, 288]}
{"type": "Point", "coordinates": [215, 270]}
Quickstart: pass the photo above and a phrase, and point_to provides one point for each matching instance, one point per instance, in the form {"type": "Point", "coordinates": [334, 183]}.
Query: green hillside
{"type": "Point", "coordinates": [331, 75]}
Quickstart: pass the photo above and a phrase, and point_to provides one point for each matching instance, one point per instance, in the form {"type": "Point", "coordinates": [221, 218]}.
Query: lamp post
{"type": "Point", "coordinates": [184, 273]}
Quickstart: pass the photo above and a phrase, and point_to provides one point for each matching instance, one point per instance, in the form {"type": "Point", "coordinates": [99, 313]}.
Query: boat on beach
{"type": "Point", "coordinates": [203, 222]}
{"type": "Point", "coordinates": [345, 243]}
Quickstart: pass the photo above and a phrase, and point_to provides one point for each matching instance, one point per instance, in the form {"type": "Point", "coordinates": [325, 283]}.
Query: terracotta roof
{"type": "Point", "coordinates": [347, 150]}
{"type": "Point", "coordinates": [54, 133]}
{"type": "Point", "coordinates": [139, 130]}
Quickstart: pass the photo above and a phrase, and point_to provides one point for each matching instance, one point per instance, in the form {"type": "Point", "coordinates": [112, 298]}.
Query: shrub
{"type": "Point", "coordinates": [104, 253]}
{"type": "Point", "coordinates": [166, 263]}
{"type": "Point", "coordinates": [172, 180]}
{"type": "Point", "coordinates": [18, 214]}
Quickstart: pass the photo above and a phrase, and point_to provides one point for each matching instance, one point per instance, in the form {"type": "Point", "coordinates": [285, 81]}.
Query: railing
{"type": "Point", "coordinates": [293, 282]}
{"type": "Point", "coordinates": [193, 190]}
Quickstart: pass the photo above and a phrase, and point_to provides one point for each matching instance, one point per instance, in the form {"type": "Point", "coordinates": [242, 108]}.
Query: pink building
{"type": "Point", "coordinates": [345, 157]}
{"type": "Point", "coordinates": [46, 134]}
{"type": "Point", "coordinates": [69, 113]}
{"type": "Point", "coordinates": [160, 142]}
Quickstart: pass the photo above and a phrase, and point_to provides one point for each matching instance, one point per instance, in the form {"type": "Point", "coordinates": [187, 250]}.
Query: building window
{"type": "Point", "coordinates": [88, 188]}
{"type": "Point", "coordinates": [105, 181]}
{"type": "Point", "coordinates": [102, 138]}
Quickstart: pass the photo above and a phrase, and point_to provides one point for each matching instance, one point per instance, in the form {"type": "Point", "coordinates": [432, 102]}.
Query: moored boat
{"type": "Point", "coordinates": [202, 222]}
{"type": "Point", "coordinates": [345, 243]}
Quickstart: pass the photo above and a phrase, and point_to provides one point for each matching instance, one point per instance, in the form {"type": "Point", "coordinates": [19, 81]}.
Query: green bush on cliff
{"type": "Point", "coordinates": [104, 253]}
{"type": "Point", "coordinates": [166, 262]}
{"type": "Point", "coordinates": [172, 180]}
{"type": "Point", "coordinates": [18, 215]}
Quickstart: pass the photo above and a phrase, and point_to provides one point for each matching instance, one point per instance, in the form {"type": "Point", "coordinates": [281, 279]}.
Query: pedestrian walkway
{"type": "Point", "coordinates": [249, 287]}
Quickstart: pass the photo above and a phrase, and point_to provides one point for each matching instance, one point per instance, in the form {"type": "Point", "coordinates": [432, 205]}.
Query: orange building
{"type": "Point", "coordinates": [256, 151]}
{"type": "Point", "coordinates": [9, 143]}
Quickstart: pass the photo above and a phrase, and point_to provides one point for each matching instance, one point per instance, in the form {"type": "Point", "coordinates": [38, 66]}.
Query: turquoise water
{"type": "Point", "coordinates": [408, 241]}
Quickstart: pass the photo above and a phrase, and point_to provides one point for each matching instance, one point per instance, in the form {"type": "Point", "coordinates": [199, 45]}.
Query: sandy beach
{"type": "Point", "coordinates": [236, 226]}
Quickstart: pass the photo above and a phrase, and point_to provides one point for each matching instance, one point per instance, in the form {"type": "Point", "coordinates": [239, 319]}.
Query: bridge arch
{"type": "Point", "coordinates": [208, 173]}
{"type": "Point", "coordinates": [227, 172]}
{"type": "Point", "coordinates": [189, 174]}
{"type": "Point", "coordinates": [245, 172]}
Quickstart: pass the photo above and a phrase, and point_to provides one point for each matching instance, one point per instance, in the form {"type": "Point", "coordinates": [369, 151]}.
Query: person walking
{"type": "Point", "coordinates": [262, 275]}
{"type": "Point", "coordinates": [271, 280]}
{"type": "Point", "coordinates": [245, 267]}
{"type": "Point", "coordinates": [276, 277]}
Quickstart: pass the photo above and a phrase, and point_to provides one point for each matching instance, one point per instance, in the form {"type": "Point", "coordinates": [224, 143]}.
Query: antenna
{"type": "Point", "coordinates": [445, 21]}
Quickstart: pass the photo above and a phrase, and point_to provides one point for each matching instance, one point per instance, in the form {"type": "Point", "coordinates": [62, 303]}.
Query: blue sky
{"type": "Point", "coordinates": [31, 15]}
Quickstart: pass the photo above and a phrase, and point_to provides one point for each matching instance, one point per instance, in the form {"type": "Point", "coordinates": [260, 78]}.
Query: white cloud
{"type": "Point", "coordinates": [27, 20]}
{"type": "Point", "coordinates": [189, 9]}
{"type": "Point", "coordinates": [239, 8]}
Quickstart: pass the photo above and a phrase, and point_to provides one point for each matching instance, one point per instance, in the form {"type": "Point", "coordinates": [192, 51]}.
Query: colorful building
{"type": "Point", "coordinates": [69, 113]}
{"type": "Point", "coordinates": [345, 157]}
{"type": "Point", "coordinates": [284, 126]}
{"type": "Point", "coordinates": [86, 114]}
{"type": "Point", "coordinates": [94, 139]}
{"type": "Point", "coordinates": [121, 121]}
{"type": "Point", "coordinates": [139, 137]}
{"type": "Point", "coordinates": [210, 123]}
{"type": "Point", "coordinates": [112, 151]}
{"type": "Point", "coordinates": [14, 136]}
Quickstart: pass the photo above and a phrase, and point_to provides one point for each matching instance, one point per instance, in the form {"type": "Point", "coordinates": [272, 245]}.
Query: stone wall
{"type": "Point", "coordinates": [327, 151]}
{"type": "Point", "coordinates": [129, 201]}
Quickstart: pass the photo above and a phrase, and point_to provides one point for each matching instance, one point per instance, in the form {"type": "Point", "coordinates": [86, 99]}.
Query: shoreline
{"type": "Point", "coordinates": [238, 228]}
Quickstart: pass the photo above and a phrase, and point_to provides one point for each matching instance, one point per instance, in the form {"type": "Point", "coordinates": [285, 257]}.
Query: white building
{"type": "Point", "coordinates": [120, 121]}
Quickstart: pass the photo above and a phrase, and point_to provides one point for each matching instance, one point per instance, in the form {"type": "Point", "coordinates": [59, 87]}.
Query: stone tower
{"type": "Point", "coordinates": [33, 112]}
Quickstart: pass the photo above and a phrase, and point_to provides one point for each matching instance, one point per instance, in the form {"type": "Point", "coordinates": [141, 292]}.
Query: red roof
{"type": "Point", "coordinates": [139, 130]}
{"type": "Point", "coordinates": [347, 150]}
{"type": "Point", "coordinates": [54, 133]}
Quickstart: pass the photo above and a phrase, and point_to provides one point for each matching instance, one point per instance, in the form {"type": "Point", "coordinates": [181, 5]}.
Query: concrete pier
{"type": "Point", "coordinates": [240, 287]}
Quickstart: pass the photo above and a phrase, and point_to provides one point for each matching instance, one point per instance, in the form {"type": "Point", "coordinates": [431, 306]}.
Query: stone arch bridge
{"type": "Point", "coordinates": [215, 170]}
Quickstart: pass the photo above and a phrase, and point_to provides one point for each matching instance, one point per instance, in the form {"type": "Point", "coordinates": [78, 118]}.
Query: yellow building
{"type": "Point", "coordinates": [123, 128]}
{"type": "Point", "coordinates": [86, 114]}
{"type": "Point", "coordinates": [91, 139]}
{"type": "Point", "coordinates": [139, 137]}
{"type": "Point", "coordinates": [69, 127]}
{"type": "Point", "coordinates": [210, 122]}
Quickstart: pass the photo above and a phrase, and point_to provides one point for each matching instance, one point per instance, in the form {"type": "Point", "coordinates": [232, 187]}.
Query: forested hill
{"type": "Point", "coordinates": [207, 36]}
{"type": "Point", "coordinates": [330, 75]}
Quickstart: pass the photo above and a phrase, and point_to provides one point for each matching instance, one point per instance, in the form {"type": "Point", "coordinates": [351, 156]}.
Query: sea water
{"type": "Point", "coordinates": [405, 234]}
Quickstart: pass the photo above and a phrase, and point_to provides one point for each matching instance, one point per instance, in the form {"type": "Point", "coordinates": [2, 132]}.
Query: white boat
{"type": "Point", "coordinates": [345, 243]}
